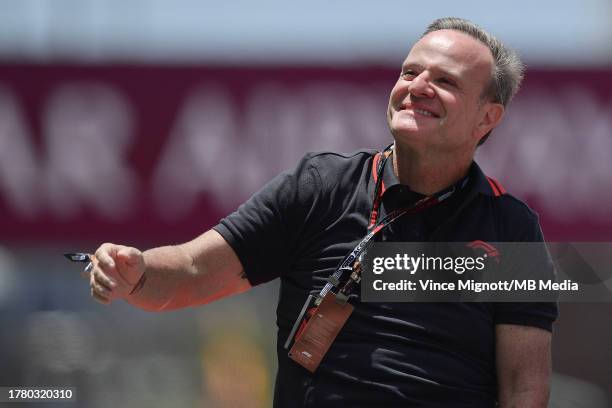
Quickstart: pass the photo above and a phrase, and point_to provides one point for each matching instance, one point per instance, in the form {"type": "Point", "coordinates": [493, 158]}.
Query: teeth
{"type": "Point", "coordinates": [423, 112]}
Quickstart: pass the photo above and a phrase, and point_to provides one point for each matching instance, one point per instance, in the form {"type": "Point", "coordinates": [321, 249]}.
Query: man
{"type": "Point", "coordinates": [452, 91]}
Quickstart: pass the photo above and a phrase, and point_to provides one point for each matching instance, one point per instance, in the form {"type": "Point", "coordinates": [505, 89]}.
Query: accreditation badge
{"type": "Point", "coordinates": [313, 342]}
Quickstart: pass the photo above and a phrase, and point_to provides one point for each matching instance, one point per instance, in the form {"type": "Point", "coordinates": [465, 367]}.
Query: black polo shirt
{"type": "Point", "coordinates": [302, 224]}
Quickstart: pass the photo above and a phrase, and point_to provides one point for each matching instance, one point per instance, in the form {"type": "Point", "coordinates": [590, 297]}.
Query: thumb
{"type": "Point", "coordinates": [130, 264]}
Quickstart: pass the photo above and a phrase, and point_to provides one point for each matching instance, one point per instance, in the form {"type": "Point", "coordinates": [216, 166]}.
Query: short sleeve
{"type": "Point", "coordinates": [264, 230]}
{"type": "Point", "coordinates": [536, 314]}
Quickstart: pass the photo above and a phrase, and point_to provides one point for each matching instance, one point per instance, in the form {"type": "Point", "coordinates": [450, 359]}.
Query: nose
{"type": "Point", "coordinates": [420, 86]}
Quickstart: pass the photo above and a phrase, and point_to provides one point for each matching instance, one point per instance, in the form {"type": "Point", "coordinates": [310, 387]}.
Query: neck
{"type": "Point", "coordinates": [429, 173]}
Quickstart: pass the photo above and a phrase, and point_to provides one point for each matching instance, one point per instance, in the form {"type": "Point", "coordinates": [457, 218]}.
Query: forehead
{"type": "Point", "coordinates": [454, 52]}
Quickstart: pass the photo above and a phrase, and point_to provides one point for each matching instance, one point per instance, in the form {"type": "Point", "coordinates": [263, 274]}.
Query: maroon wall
{"type": "Point", "coordinates": [159, 154]}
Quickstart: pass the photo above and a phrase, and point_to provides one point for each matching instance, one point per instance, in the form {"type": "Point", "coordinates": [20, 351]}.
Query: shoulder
{"type": "Point", "coordinates": [515, 209]}
{"type": "Point", "coordinates": [334, 168]}
{"type": "Point", "coordinates": [330, 161]}
{"type": "Point", "coordinates": [517, 219]}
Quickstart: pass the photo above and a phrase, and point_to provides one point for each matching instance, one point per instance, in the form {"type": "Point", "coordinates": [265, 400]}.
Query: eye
{"type": "Point", "coordinates": [446, 81]}
{"type": "Point", "coordinates": [408, 74]}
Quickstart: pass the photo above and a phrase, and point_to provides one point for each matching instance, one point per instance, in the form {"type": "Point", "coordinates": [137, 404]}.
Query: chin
{"type": "Point", "coordinates": [406, 123]}
{"type": "Point", "coordinates": [408, 131]}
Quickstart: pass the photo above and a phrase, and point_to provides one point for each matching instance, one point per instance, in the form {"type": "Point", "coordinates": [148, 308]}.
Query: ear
{"type": "Point", "coordinates": [491, 114]}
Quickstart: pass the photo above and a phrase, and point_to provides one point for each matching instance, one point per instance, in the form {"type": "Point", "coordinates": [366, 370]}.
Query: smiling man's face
{"type": "Point", "coordinates": [437, 101]}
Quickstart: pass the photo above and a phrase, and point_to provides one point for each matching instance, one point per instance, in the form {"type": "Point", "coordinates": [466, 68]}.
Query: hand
{"type": "Point", "coordinates": [116, 271]}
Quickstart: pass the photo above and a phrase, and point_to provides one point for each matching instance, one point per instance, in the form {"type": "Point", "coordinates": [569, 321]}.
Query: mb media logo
{"type": "Point", "coordinates": [489, 250]}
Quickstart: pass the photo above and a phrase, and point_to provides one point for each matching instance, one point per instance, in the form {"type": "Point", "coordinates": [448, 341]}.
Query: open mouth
{"type": "Point", "coordinates": [420, 111]}
{"type": "Point", "coordinates": [425, 112]}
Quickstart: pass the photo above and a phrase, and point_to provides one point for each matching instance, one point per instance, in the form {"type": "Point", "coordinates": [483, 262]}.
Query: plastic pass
{"type": "Point", "coordinates": [320, 332]}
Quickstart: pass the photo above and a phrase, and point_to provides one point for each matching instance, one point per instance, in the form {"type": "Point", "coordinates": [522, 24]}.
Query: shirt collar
{"type": "Point", "coordinates": [478, 181]}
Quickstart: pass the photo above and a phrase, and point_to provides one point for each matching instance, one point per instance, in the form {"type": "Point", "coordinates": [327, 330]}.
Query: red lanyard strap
{"type": "Point", "coordinates": [378, 164]}
{"type": "Point", "coordinates": [376, 226]}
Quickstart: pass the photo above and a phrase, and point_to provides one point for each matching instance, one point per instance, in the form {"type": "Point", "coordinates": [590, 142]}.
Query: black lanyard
{"type": "Point", "coordinates": [375, 226]}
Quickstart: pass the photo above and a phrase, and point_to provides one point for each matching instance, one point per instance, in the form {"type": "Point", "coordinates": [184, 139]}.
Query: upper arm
{"type": "Point", "coordinates": [266, 231]}
{"type": "Point", "coordinates": [523, 365]}
{"type": "Point", "coordinates": [216, 269]}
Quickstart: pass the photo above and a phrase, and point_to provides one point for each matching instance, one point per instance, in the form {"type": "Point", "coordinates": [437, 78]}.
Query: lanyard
{"type": "Point", "coordinates": [375, 226]}
{"type": "Point", "coordinates": [349, 263]}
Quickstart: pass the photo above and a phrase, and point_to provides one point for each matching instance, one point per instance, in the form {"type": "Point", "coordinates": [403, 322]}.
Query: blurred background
{"type": "Point", "coordinates": [145, 122]}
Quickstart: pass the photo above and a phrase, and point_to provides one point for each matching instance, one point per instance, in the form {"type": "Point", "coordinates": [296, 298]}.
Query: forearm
{"type": "Point", "coordinates": [194, 273]}
{"type": "Point", "coordinates": [529, 396]}
{"type": "Point", "coordinates": [168, 271]}
{"type": "Point", "coordinates": [523, 366]}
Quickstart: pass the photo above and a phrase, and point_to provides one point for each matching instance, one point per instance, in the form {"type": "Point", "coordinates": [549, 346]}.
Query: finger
{"type": "Point", "coordinates": [130, 265]}
{"type": "Point", "coordinates": [107, 257]}
{"type": "Point", "coordinates": [129, 255]}
{"type": "Point", "coordinates": [99, 298]}
{"type": "Point", "coordinates": [104, 265]}
{"type": "Point", "coordinates": [91, 278]}
{"type": "Point", "coordinates": [98, 288]}
{"type": "Point", "coordinates": [103, 279]}
{"type": "Point", "coordinates": [101, 287]}
{"type": "Point", "coordinates": [101, 290]}
{"type": "Point", "coordinates": [104, 258]}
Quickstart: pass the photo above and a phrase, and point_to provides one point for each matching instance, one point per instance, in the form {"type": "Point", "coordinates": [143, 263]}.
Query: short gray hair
{"type": "Point", "coordinates": [508, 69]}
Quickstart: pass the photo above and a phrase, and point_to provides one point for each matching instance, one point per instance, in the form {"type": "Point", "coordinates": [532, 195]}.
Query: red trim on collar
{"type": "Point", "coordinates": [497, 188]}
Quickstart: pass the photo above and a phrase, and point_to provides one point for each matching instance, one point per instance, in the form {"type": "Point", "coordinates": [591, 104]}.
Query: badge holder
{"type": "Point", "coordinates": [319, 323]}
